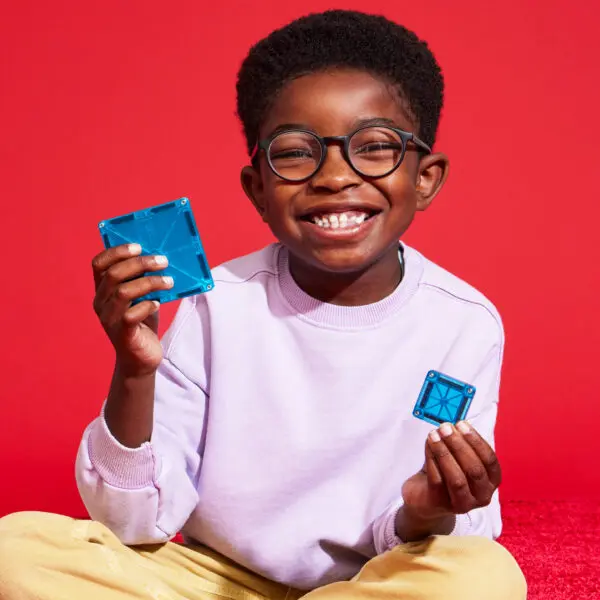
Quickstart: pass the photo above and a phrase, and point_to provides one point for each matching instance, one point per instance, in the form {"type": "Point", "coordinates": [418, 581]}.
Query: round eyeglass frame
{"type": "Point", "coordinates": [344, 141]}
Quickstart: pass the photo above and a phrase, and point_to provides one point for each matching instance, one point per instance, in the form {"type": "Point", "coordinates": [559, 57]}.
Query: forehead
{"type": "Point", "coordinates": [331, 102]}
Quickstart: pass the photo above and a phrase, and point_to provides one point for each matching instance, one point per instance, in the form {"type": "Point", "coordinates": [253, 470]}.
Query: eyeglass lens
{"type": "Point", "coordinates": [373, 152]}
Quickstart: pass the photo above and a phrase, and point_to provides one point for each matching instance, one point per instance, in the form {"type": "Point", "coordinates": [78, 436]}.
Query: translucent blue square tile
{"type": "Point", "coordinates": [170, 230]}
{"type": "Point", "coordinates": [443, 399]}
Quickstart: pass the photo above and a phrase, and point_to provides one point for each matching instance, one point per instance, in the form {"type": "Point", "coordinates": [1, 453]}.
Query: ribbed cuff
{"type": "Point", "coordinates": [117, 465]}
{"type": "Point", "coordinates": [386, 538]}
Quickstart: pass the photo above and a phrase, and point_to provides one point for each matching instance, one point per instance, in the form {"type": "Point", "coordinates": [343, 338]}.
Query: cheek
{"type": "Point", "coordinates": [278, 214]}
{"type": "Point", "coordinates": [277, 202]}
{"type": "Point", "coordinates": [400, 190]}
{"type": "Point", "coordinates": [279, 195]}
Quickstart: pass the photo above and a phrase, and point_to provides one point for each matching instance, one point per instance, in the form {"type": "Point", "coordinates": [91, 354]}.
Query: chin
{"type": "Point", "coordinates": [341, 260]}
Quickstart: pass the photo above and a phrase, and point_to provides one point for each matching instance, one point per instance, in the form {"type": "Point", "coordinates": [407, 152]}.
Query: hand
{"type": "Point", "coordinates": [461, 473]}
{"type": "Point", "coordinates": [131, 329]}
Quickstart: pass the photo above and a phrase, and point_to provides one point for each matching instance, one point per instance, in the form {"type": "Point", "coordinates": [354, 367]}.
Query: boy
{"type": "Point", "coordinates": [274, 425]}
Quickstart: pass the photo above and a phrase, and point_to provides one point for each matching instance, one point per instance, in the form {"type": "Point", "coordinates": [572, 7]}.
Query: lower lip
{"type": "Point", "coordinates": [353, 234]}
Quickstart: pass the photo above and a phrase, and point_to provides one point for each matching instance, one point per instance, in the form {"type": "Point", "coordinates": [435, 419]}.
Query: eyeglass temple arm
{"type": "Point", "coordinates": [420, 143]}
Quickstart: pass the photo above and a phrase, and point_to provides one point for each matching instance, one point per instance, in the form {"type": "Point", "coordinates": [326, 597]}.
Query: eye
{"type": "Point", "coordinates": [374, 147]}
{"type": "Point", "coordinates": [293, 147]}
{"type": "Point", "coordinates": [376, 143]}
{"type": "Point", "coordinates": [291, 153]}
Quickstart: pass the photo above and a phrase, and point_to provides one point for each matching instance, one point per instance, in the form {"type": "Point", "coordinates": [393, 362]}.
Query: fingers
{"type": "Point", "coordinates": [140, 312]}
{"type": "Point", "coordinates": [454, 477]}
{"type": "Point", "coordinates": [484, 451]}
{"type": "Point", "coordinates": [435, 479]}
{"type": "Point", "coordinates": [463, 460]}
{"type": "Point", "coordinates": [477, 477]}
{"type": "Point", "coordinates": [431, 469]}
{"type": "Point", "coordinates": [108, 258]}
{"type": "Point", "coordinates": [116, 306]}
{"type": "Point", "coordinates": [118, 274]}
{"type": "Point", "coordinates": [125, 270]}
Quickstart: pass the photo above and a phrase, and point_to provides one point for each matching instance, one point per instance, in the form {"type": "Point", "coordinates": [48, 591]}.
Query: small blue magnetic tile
{"type": "Point", "coordinates": [443, 399]}
{"type": "Point", "coordinates": [170, 230]}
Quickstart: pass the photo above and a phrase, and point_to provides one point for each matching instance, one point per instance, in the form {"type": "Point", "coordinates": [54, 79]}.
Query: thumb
{"type": "Point", "coordinates": [152, 322]}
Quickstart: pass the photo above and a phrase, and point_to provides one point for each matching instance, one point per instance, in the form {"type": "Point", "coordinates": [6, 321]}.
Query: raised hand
{"type": "Point", "coordinates": [131, 329]}
{"type": "Point", "coordinates": [461, 473]}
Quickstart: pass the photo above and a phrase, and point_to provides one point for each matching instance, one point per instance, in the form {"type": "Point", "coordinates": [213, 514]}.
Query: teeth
{"type": "Point", "coordinates": [340, 220]}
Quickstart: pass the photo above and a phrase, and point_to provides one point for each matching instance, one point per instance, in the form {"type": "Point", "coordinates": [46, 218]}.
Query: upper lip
{"type": "Point", "coordinates": [339, 206]}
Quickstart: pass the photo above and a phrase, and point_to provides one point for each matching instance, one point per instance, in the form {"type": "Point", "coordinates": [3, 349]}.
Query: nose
{"type": "Point", "coordinates": [335, 174]}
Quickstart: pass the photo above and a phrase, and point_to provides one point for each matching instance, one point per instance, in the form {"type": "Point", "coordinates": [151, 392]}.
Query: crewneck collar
{"type": "Point", "coordinates": [349, 317]}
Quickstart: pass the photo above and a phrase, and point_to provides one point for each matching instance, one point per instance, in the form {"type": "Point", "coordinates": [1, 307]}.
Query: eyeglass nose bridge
{"type": "Point", "coordinates": [340, 140]}
{"type": "Point", "coordinates": [332, 139]}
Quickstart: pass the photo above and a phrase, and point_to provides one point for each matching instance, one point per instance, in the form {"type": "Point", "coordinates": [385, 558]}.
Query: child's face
{"type": "Point", "coordinates": [336, 103]}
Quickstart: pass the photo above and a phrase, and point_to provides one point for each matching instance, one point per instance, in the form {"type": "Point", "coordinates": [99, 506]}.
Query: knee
{"type": "Point", "coordinates": [490, 570]}
{"type": "Point", "coordinates": [22, 539]}
{"type": "Point", "coordinates": [28, 525]}
{"type": "Point", "coordinates": [14, 529]}
{"type": "Point", "coordinates": [15, 523]}
{"type": "Point", "coordinates": [15, 555]}
{"type": "Point", "coordinates": [17, 531]}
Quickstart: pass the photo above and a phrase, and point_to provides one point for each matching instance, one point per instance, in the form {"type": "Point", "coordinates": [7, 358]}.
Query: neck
{"type": "Point", "coordinates": [373, 284]}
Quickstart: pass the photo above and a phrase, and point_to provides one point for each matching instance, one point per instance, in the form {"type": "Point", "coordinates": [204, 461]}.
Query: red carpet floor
{"type": "Point", "coordinates": [557, 545]}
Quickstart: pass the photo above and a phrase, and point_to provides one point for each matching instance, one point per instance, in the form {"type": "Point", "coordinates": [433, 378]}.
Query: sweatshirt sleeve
{"type": "Point", "coordinates": [146, 494]}
{"type": "Point", "coordinates": [485, 521]}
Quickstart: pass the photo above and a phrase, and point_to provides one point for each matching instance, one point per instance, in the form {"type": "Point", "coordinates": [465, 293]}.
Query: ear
{"type": "Point", "coordinates": [252, 185]}
{"type": "Point", "coordinates": [432, 174]}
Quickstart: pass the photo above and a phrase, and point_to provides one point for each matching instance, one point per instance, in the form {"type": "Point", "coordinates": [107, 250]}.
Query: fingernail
{"type": "Point", "coordinates": [168, 280]}
{"type": "Point", "coordinates": [446, 429]}
{"type": "Point", "coordinates": [463, 427]}
{"type": "Point", "coordinates": [134, 248]}
{"type": "Point", "coordinates": [161, 260]}
{"type": "Point", "coordinates": [156, 304]}
{"type": "Point", "coordinates": [434, 436]}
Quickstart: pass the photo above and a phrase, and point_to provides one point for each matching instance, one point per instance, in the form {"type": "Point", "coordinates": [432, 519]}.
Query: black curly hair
{"type": "Point", "coordinates": [346, 39]}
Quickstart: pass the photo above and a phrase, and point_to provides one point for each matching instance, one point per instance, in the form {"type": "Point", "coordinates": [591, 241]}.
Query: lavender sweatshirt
{"type": "Point", "coordinates": [283, 427]}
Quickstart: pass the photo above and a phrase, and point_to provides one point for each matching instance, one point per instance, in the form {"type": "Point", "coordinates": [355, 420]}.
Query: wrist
{"type": "Point", "coordinates": [125, 371]}
{"type": "Point", "coordinates": [425, 515]}
{"type": "Point", "coordinates": [129, 408]}
{"type": "Point", "coordinates": [413, 524]}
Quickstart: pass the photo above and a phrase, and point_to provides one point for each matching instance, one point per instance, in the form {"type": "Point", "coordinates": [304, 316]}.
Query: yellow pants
{"type": "Point", "coordinates": [45, 556]}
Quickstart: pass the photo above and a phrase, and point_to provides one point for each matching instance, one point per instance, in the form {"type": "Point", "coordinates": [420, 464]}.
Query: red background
{"type": "Point", "coordinates": [115, 106]}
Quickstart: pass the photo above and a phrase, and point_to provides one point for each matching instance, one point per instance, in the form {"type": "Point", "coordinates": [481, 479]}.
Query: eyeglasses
{"type": "Point", "coordinates": [373, 151]}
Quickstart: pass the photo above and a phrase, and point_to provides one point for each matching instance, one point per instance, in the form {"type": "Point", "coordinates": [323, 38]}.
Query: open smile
{"type": "Point", "coordinates": [340, 225]}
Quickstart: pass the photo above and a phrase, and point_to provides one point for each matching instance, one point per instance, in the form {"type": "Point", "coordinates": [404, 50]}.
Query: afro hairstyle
{"type": "Point", "coordinates": [341, 39]}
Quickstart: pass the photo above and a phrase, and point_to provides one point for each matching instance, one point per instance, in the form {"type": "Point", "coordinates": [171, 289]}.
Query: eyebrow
{"type": "Point", "coordinates": [288, 127]}
{"type": "Point", "coordinates": [374, 121]}
{"type": "Point", "coordinates": [357, 124]}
